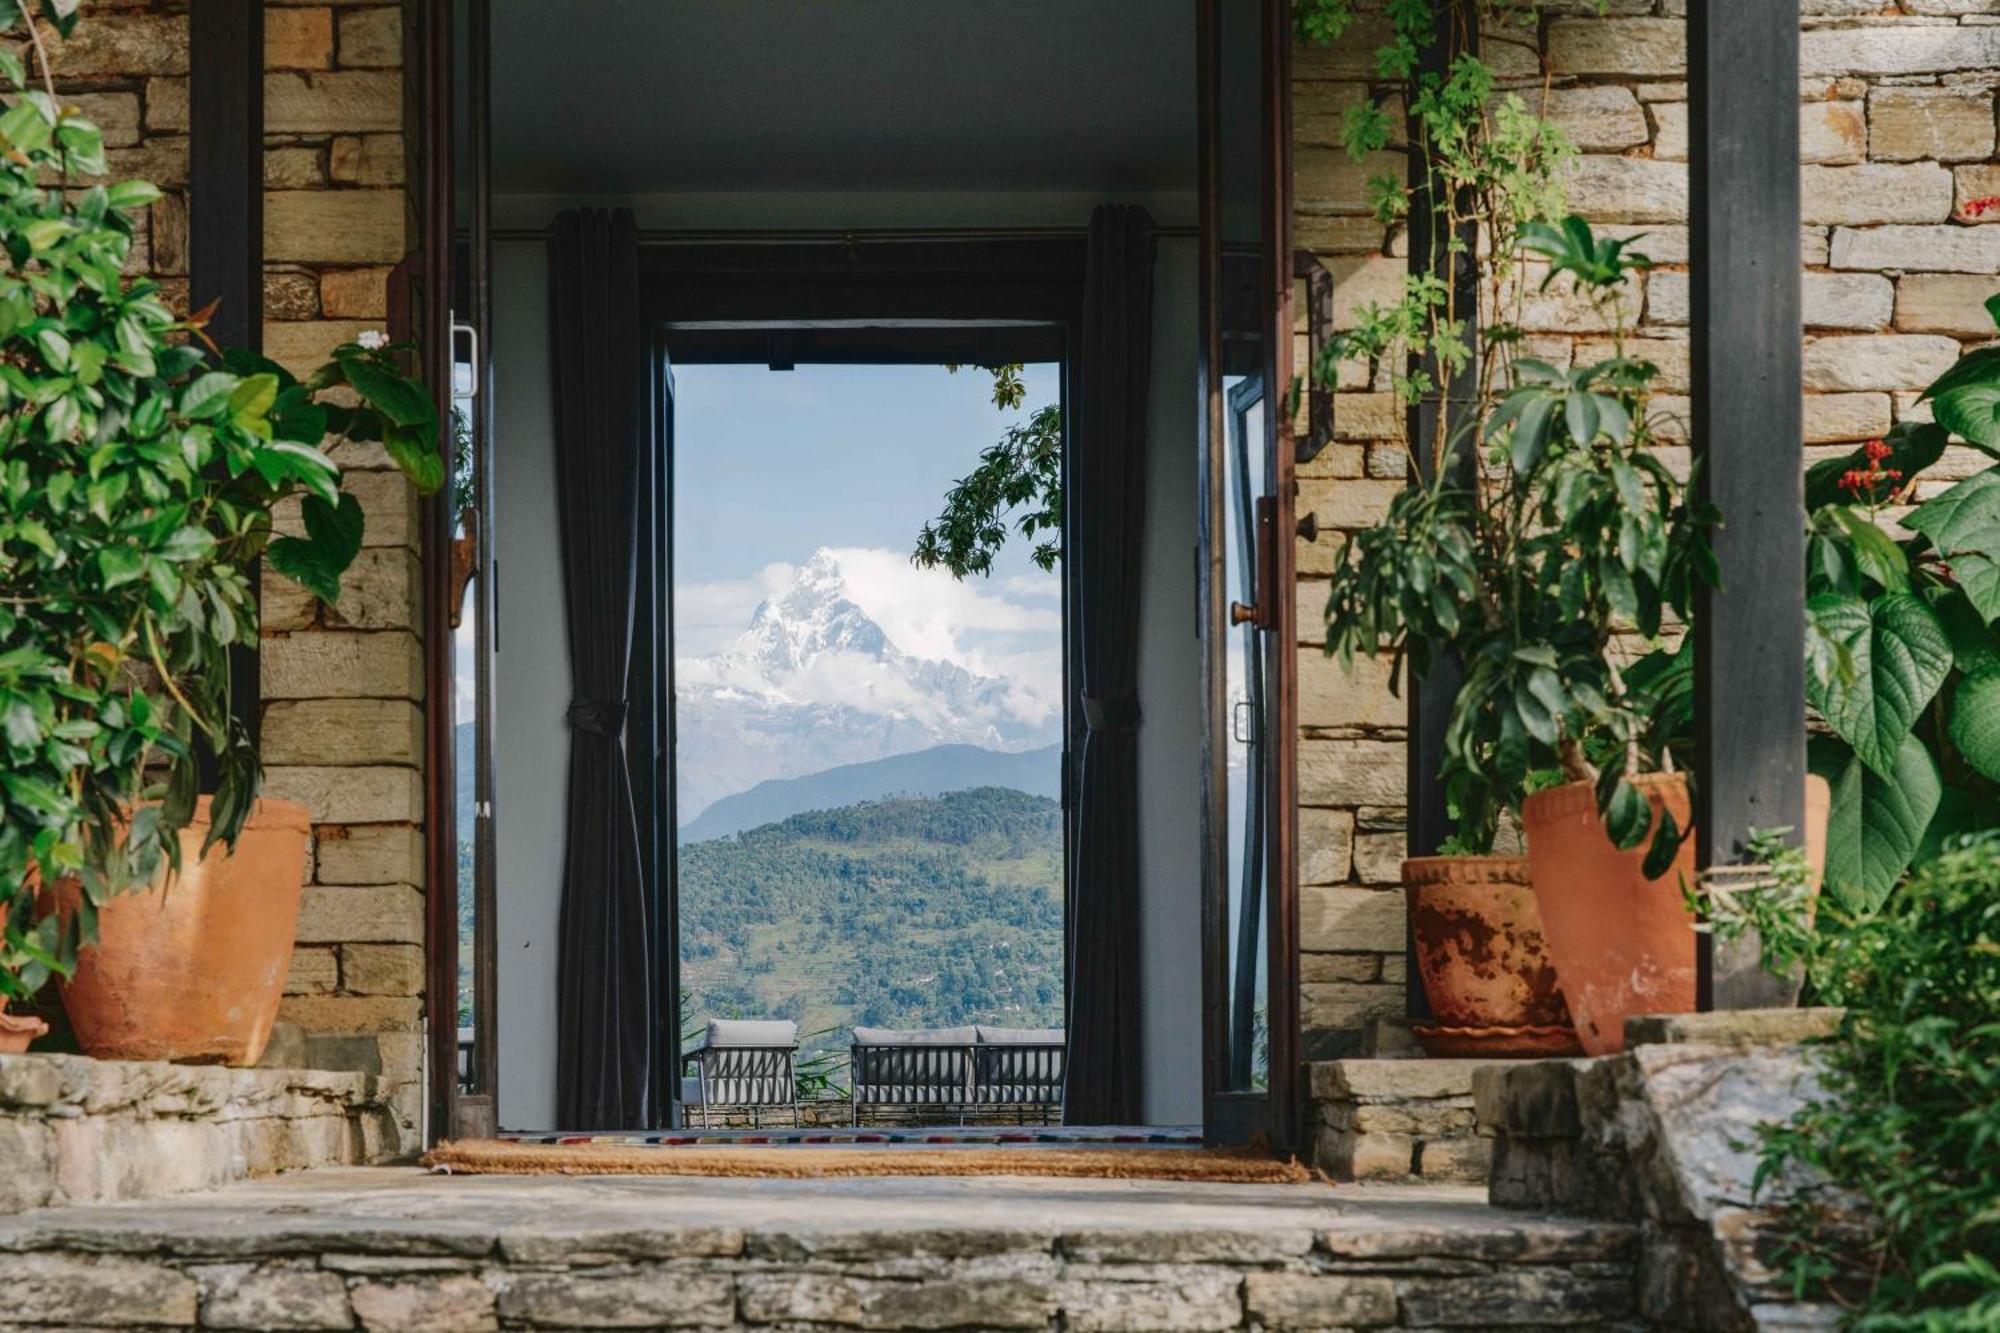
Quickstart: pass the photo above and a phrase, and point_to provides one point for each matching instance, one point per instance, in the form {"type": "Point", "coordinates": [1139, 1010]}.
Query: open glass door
{"type": "Point", "coordinates": [1250, 885]}
{"type": "Point", "coordinates": [439, 302]}
{"type": "Point", "coordinates": [472, 605]}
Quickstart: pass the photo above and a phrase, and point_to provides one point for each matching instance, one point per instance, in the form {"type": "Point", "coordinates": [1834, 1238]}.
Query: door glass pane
{"type": "Point", "coordinates": [1249, 1048]}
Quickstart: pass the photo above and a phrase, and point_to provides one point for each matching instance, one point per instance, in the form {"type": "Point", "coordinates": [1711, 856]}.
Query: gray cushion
{"type": "Point", "coordinates": [753, 1032]}
{"type": "Point", "coordinates": [992, 1036]}
{"type": "Point", "coordinates": [964, 1036]}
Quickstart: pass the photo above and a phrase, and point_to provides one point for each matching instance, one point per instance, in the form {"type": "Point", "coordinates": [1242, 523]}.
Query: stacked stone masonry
{"type": "Point", "coordinates": [343, 688]}
{"type": "Point", "coordinates": [1397, 1120]}
{"type": "Point", "coordinates": [1897, 116]}
{"type": "Point", "coordinates": [76, 1131]}
{"type": "Point", "coordinates": [460, 1274]}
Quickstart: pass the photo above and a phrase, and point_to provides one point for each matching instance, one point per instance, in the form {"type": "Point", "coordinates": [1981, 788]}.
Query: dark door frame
{"type": "Point", "coordinates": [942, 299]}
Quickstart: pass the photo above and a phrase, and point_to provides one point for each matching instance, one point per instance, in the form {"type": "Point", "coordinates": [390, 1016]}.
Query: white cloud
{"type": "Point", "coordinates": [928, 613]}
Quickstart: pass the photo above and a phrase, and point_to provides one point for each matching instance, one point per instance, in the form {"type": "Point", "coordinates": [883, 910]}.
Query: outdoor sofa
{"type": "Point", "coordinates": [951, 1073]}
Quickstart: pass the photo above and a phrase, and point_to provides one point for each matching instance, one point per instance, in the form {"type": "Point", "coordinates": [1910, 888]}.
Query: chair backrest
{"type": "Point", "coordinates": [750, 1062]}
{"type": "Point", "coordinates": [912, 1066]}
{"type": "Point", "coordinates": [1019, 1066]}
{"type": "Point", "coordinates": [752, 1032]}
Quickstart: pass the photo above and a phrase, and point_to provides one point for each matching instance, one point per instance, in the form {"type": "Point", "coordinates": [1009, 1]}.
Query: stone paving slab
{"type": "Point", "coordinates": [392, 1248]}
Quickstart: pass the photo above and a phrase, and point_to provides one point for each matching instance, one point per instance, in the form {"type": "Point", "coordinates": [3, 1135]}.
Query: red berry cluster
{"type": "Point", "coordinates": [1868, 480]}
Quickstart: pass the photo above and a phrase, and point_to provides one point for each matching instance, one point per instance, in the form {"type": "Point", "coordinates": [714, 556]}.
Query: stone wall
{"type": "Point", "coordinates": [1898, 128]}
{"type": "Point", "coordinates": [343, 688]}
{"type": "Point", "coordinates": [569, 1254]}
{"type": "Point", "coordinates": [1664, 1137]}
{"type": "Point", "coordinates": [76, 1131]}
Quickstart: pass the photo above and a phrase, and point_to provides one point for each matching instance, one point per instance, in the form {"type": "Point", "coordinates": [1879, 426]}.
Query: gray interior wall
{"type": "Point", "coordinates": [532, 678]}
{"type": "Point", "coordinates": [531, 687]}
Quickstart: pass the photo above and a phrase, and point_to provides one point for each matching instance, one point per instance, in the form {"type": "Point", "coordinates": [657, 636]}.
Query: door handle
{"type": "Point", "coordinates": [1243, 723]}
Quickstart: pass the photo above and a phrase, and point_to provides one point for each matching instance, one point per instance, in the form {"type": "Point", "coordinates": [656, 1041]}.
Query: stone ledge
{"type": "Point", "coordinates": [76, 1130]}
{"type": "Point", "coordinates": [1397, 1120]}
{"type": "Point", "coordinates": [1664, 1136]}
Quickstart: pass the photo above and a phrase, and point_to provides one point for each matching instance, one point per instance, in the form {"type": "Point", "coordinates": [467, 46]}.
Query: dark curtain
{"type": "Point", "coordinates": [603, 978]}
{"type": "Point", "coordinates": [1107, 506]}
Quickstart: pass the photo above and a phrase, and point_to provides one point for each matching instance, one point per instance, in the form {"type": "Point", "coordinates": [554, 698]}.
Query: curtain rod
{"type": "Point", "coordinates": [841, 235]}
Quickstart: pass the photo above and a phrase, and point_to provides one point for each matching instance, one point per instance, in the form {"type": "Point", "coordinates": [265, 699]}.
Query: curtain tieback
{"type": "Point", "coordinates": [1114, 712]}
{"type": "Point", "coordinates": [598, 717]}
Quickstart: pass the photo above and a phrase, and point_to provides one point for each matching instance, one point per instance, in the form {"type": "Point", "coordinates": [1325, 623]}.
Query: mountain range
{"type": "Point", "coordinates": [814, 684]}
{"type": "Point", "coordinates": [933, 772]}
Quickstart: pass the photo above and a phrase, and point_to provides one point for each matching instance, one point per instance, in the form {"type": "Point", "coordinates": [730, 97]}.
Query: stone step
{"type": "Point", "coordinates": [397, 1249]}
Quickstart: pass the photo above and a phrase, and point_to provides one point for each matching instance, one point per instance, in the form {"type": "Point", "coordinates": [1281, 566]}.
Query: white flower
{"type": "Point", "coordinates": [372, 339]}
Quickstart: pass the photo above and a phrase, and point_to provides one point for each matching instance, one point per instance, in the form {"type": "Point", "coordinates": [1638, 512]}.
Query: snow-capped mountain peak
{"type": "Point", "coordinates": [814, 682]}
{"type": "Point", "coordinates": [812, 617]}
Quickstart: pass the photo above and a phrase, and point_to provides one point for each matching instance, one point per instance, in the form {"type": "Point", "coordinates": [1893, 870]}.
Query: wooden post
{"type": "Point", "coordinates": [1743, 80]}
{"type": "Point", "coordinates": [1431, 697]}
{"type": "Point", "coordinates": [226, 211]}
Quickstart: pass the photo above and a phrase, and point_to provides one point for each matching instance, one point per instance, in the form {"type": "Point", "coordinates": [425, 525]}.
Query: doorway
{"type": "Point", "coordinates": [868, 709]}
{"type": "Point", "coordinates": [804, 233]}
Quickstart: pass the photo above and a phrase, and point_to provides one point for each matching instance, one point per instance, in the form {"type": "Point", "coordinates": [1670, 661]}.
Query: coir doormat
{"type": "Point", "coordinates": [496, 1157]}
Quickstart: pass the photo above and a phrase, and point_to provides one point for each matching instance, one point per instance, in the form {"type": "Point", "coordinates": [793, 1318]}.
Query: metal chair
{"type": "Point", "coordinates": [747, 1064]}
{"type": "Point", "coordinates": [1020, 1069]}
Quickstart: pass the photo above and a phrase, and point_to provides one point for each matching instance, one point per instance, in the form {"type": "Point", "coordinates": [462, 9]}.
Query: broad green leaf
{"type": "Point", "coordinates": [1877, 822]}
{"type": "Point", "coordinates": [1972, 412]}
{"type": "Point", "coordinates": [400, 400]}
{"type": "Point", "coordinates": [250, 400]}
{"type": "Point", "coordinates": [336, 529]}
{"type": "Point", "coordinates": [1964, 525]}
{"type": "Point", "coordinates": [1531, 433]}
{"type": "Point", "coordinates": [208, 395]}
{"type": "Point", "coordinates": [1975, 721]}
{"type": "Point", "coordinates": [416, 456]}
{"type": "Point", "coordinates": [1896, 654]}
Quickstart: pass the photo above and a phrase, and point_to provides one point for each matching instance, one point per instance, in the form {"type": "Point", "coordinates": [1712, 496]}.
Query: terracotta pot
{"type": "Point", "coordinates": [1623, 946]}
{"type": "Point", "coordinates": [1481, 958]}
{"type": "Point", "coordinates": [17, 1030]}
{"type": "Point", "coordinates": [193, 969]}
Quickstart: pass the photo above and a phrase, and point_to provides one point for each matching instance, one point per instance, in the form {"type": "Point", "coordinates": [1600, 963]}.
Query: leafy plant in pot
{"type": "Point", "coordinates": [1410, 584]}
{"type": "Point", "coordinates": [139, 475]}
{"type": "Point", "coordinates": [1545, 571]}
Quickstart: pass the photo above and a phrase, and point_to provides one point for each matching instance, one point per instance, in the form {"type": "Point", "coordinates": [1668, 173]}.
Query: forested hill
{"type": "Point", "coordinates": [907, 912]}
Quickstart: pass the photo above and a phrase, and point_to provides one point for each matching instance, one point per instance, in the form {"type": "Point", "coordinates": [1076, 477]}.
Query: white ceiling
{"type": "Point", "coordinates": [642, 96]}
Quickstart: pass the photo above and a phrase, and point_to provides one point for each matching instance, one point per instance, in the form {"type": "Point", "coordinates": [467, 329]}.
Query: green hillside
{"type": "Point", "coordinates": [906, 912]}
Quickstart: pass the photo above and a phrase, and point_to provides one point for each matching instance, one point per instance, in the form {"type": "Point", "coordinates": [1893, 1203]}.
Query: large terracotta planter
{"type": "Point", "coordinates": [1480, 955]}
{"type": "Point", "coordinates": [17, 1030]}
{"type": "Point", "coordinates": [1622, 945]}
{"type": "Point", "coordinates": [193, 969]}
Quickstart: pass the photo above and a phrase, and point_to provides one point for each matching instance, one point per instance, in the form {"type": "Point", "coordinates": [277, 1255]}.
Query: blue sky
{"type": "Point", "coordinates": [771, 466]}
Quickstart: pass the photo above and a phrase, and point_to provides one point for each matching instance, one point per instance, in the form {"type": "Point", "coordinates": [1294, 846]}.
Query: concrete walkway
{"type": "Point", "coordinates": [394, 1249]}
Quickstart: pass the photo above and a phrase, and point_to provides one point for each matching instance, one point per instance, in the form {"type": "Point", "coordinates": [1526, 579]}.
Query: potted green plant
{"type": "Point", "coordinates": [139, 472]}
{"type": "Point", "coordinates": [1407, 585]}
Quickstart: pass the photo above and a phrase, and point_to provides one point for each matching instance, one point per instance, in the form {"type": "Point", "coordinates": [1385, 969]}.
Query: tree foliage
{"type": "Point", "coordinates": [1023, 472]}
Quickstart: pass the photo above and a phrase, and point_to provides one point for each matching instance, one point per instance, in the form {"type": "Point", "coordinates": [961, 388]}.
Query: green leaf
{"type": "Point", "coordinates": [1975, 721]}
{"type": "Point", "coordinates": [1964, 525]}
{"type": "Point", "coordinates": [250, 400]}
{"type": "Point", "coordinates": [416, 456]}
{"type": "Point", "coordinates": [208, 395]}
{"type": "Point", "coordinates": [1972, 412]}
{"type": "Point", "coordinates": [1531, 432]}
{"type": "Point", "coordinates": [401, 400]}
{"type": "Point", "coordinates": [1897, 655]}
{"type": "Point", "coordinates": [120, 565]}
{"type": "Point", "coordinates": [335, 528]}
{"type": "Point", "coordinates": [1877, 822]}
